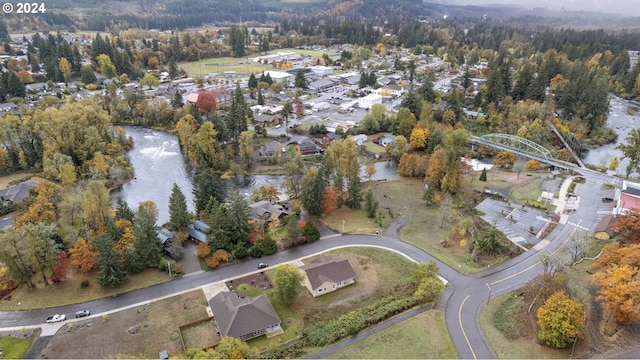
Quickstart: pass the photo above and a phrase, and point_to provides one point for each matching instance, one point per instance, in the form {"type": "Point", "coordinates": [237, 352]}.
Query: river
{"type": "Point", "coordinates": [158, 163]}
{"type": "Point", "coordinates": [621, 123]}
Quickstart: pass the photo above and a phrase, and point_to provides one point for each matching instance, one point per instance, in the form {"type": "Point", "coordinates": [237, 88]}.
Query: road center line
{"type": "Point", "coordinates": [464, 333]}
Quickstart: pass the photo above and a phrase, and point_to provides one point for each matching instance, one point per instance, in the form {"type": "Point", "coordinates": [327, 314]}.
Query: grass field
{"type": "Point", "coordinates": [529, 192]}
{"type": "Point", "coordinates": [13, 348]}
{"type": "Point", "coordinates": [69, 291]}
{"type": "Point", "coordinates": [239, 65]}
{"type": "Point", "coordinates": [421, 337]}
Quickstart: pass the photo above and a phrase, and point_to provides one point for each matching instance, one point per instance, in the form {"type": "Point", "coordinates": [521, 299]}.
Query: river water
{"type": "Point", "coordinates": [621, 123]}
{"type": "Point", "coordinates": [158, 163]}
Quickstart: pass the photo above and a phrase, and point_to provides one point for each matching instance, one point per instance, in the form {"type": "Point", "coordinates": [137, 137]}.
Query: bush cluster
{"type": "Point", "coordinates": [327, 332]}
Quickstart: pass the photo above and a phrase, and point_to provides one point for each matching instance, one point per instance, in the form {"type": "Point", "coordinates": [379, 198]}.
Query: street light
{"type": "Point", "coordinates": [489, 293]}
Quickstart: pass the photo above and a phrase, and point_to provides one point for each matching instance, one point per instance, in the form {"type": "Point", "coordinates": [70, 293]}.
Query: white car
{"type": "Point", "coordinates": [56, 318]}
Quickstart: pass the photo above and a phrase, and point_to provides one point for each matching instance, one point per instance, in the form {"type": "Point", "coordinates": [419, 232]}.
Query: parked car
{"type": "Point", "coordinates": [82, 313]}
{"type": "Point", "coordinates": [56, 318]}
{"type": "Point", "coordinates": [262, 265]}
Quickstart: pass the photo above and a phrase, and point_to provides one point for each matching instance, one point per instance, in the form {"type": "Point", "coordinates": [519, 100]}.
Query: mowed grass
{"type": "Point", "coordinates": [222, 64]}
{"type": "Point", "coordinates": [529, 192]}
{"type": "Point", "coordinates": [69, 291]}
{"type": "Point", "coordinates": [508, 346]}
{"type": "Point", "coordinates": [355, 221]}
{"type": "Point", "coordinates": [14, 348]}
{"type": "Point", "coordinates": [424, 336]}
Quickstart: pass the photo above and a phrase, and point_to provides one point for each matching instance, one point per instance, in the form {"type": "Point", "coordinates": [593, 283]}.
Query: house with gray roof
{"type": "Point", "coordinates": [270, 149]}
{"type": "Point", "coordinates": [244, 318]}
{"type": "Point", "coordinates": [18, 192]}
{"type": "Point", "coordinates": [265, 209]}
{"type": "Point", "coordinates": [387, 139]}
{"type": "Point", "coordinates": [198, 231]}
{"type": "Point", "coordinates": [326, 274]}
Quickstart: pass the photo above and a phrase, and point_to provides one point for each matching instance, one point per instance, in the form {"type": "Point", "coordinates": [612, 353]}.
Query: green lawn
{"type": "Point", "coordinates": [69, 291]}
{"type": "Point", "coordinates": [14, 348]}
{"type": "Point", "coordinates": [374, 148]}
{"type": "Point", "coordinates": [421, 337]}
{"type": "Point", "coordinates": [529, 192]}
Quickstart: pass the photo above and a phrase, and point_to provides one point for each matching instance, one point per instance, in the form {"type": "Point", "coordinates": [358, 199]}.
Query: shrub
{"type": "Point", "coordinates": [255, 252]}
{"type": "Point", "coordinates": [212, 262]}
{"type": "Point", "coordinates": [311, 232]}
{"type": "Point", "coordinates": [203, 250]}
{"type": "Point", "coordinates": [240, 253]}
{"type": "Point", "coordinates": [84, 284]}
{"type": "Point", "coordinates": [267, 245]}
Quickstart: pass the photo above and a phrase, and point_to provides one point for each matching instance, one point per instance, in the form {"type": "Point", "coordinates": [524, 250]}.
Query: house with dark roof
{"type": "Point", "coordinates": [308, 147]}
{"type": "Point", "coordinates": [166, 237]}
{"type": "Point", "coordinates": [18, 192]}
{"type": "Point", "coordinates": [270, 149]}
{"type": "Point", "coordinates": [198, 231]}
{"type": "Point", "coordinates": [326, 274]}
{"type": "Point", "coordinates": [244, 318]}
{"type": "Point", "coordinates": [265, 209]}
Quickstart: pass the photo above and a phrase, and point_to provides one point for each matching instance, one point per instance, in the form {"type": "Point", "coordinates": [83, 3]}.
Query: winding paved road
{"type": "Point", "coordinates": [462, 302]}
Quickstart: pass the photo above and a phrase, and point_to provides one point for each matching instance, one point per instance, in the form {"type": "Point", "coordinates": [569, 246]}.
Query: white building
{"type": "Point", "coordinates": [279, 76]}
{"type": "Point", "coordinates": [368, 101]}
{"type": "Point", "coordinates": [320, 70]}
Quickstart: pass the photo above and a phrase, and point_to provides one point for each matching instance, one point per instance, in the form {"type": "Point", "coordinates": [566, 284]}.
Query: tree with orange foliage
{"type": "Point", "coordinates": [627, 227]}
{"type": "Point", "coordinates": [619, 281]}
{"type": "Point", "coordinates": [330, 200]}
{"type": "Point", "coordinates": [206, 102]}
{"type": "Point", "coordinates": [84, 255]}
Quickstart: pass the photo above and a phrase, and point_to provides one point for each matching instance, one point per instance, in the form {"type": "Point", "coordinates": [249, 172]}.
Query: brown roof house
{"type": "Point", "coordinates": [244, 318]}
{"type": "Point", "coordinates": [326, 274]}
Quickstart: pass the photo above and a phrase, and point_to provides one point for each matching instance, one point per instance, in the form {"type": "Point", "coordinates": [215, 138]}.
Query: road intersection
{"type": "Point", "coordinates": [464, 298]}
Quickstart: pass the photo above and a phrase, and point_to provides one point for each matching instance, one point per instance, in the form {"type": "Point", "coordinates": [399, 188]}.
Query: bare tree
{"type": "Point", "coordinates": [552, 262]}
{"type": "Point", "coordinates": [577, 247]}
{"type": "Point", "coordinates": [445, 207]}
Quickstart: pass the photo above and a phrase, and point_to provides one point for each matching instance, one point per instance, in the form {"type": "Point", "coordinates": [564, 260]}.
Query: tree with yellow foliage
{"type": "Point", "coordinates": [418, 138]}
{"type": "Point", "coordinates": [561, 320]}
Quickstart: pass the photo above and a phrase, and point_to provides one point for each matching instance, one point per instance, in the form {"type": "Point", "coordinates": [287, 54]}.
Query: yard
{"type": "Point", "coordinates": [24, 298]}
{"type": "Point", "coordinates": [141, 332]}
{"type": "Point", "coordinates": [424, 336]}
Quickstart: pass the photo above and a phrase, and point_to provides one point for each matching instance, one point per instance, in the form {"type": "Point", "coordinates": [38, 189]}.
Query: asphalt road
{"type": "Point", "coordinates": [467, 293]}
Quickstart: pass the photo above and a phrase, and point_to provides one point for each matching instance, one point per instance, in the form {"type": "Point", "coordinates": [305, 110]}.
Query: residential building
{"type": "Point", "coordinates": [244, 318]}
{"type": "Point", "coordinates": [198, 231]}
{"type": "Point", "coordinates": [326, 274]}
{"type": "Point", "coordinates": [265, 209]}
{"type": "Point", "coordinates": [270, 149]}
{"type": "Point", "coordinates": [359, 139]}
{"type": "Point", "coordinates": [387, 139]}
{"type": "Point", "coordinates": [308, 147]}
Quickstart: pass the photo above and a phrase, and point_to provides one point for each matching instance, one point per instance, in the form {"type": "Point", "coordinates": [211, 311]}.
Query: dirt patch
{"type": "Point", "coordinates": [259, 281]}
{"type": "Point", "coordinates": [141, 331]}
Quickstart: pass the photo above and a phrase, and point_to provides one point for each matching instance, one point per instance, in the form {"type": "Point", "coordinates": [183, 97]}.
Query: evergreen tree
{"type": "Point", "coordinates": [112, 272]}
{"type": "Point", "coordinates": [173, 69]}
{"type": "Point", "coordinates": [178, 213]}
{"type": "Point", "coordinates": [300, 81]}
{"type": "Point", "coordinates": [483, 175]}
{"type": "Point", "coordinates": [87, 75]}
{"type": "Point", "coordinates": [238, 218]}
{"type": "Point", "coordinates": [206, 184]}
{"type": "Point", "coordinates": [260, 98]}
{"type": "Point", "coordinates": [123, 211]}
{"type": "Point", "coordinates": [313, 189]}
{"type": "Point", "coordinates": [253, 82]}
{"type": "Point", "coordinates": [310, 231]}
{"type": "Point", "coordinates": [14, 86]}
{"type": "Point", "coordinates": [147, 244]}
{"type": "Point", "coordinates": [177, 101]}
{"type": "Point", "coordinates": [370, 204]}
{"type": "Point", "coordinates": [237, 118]}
